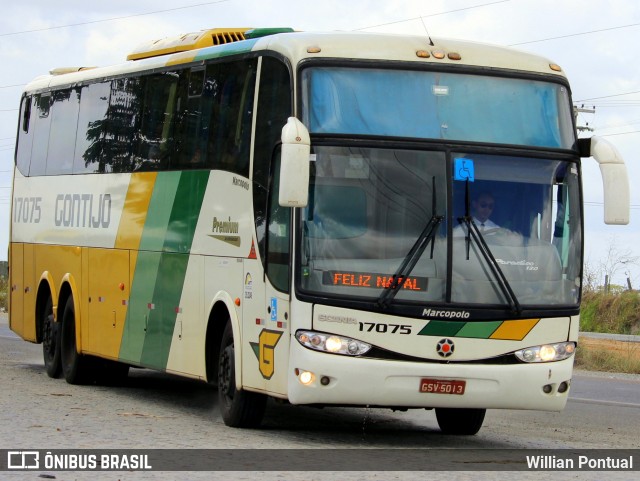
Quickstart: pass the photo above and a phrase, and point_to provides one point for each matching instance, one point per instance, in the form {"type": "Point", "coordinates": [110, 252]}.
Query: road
{"type": "Point", "coordinates": [157, 411]}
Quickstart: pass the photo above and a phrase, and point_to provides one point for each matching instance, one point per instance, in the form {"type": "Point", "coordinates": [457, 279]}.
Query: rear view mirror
{"type": "Point", "coordinates": [615, 181]}
{"type": "Point", "coordinates": [294, 165]}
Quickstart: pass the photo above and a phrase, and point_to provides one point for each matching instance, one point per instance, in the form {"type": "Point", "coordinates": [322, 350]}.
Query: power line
{"type": "Point", "coordinates": [600, 204]}
{"type": "Point", "coordinates": [432, 15]}
{"type": "Point", "coordinates": [608, 96]}
{"type": "Point", "coordinates": [575, 34]}
{"type": "Point", "coordinates": [621, 133]}
{"type": "Point", "coordinates": [111, 19]}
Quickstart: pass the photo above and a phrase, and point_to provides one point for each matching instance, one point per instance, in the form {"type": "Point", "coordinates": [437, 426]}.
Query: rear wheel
{"type": "Point", "coordinates": [239, 409]}
{"type": "Point", "coordinates": [74, 365]}
{"type": "Point", "coordinates": [460, 421]}
{"type": "Point", "coordinates": [50, 341]}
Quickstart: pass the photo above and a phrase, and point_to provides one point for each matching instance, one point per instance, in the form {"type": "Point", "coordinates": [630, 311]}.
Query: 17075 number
{"type": "Point", "coordinates": [383, 328]}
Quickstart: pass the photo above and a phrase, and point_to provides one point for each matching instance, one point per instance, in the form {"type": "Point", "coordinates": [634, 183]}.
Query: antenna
{"type": "Point", "coordinates": [427, 32]}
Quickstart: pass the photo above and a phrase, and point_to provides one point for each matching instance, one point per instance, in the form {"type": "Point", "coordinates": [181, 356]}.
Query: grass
{"type": "Point", "coordinates": [614, 314]}
{"type": "Point", "coordinates": [592, 358]}
{"type": "Point", "coordinates": [611, 313]}
{"type": "Point", "coordinates": [4, 284]}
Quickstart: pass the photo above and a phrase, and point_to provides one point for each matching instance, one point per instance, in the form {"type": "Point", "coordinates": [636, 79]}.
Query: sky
{"type": "Point", "coordinates": [594, 41]}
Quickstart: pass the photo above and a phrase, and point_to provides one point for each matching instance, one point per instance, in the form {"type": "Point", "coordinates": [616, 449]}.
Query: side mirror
{"type": "Point", "coordinates": [294, 165]}
{"type": "Point", "coordinates": [615, 181]}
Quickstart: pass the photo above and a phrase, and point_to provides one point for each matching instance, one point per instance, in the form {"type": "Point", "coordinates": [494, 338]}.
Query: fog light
{"type": "Point", "coordinates": [563, 387]}
{"type": "Point", "coordinates": [306, 377]}
{"type": "Point", "coordinates": [547, 388]}
{"type": "Point", "coordinates": [324, 380]}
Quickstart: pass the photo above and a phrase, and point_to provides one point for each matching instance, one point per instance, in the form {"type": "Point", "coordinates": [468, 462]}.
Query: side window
{"type": "Point", "coordinates": [192, 131]}
{"type": "Point", "coordinates": [231, 115]}
{"type": "Point", "coordinates": [25, 135]}
{"type": "Point", "coordinates": [92, 124]}
{"type": "Point", "coordinates": [156, 142]}
{"type": "Point", "coordinates": [274, 107]}
{"type": "Point", "coordinates": [278, 235]}
{"type": "Point", "coordinates": [122, 123]}
{"type": "Point", "coordinates": [40, 135]}
{"type": "Point", "coordinates": [62, 139]}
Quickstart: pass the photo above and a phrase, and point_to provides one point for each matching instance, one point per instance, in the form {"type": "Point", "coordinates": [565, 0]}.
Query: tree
{"type": "Point", "coordinates": [616, 259]}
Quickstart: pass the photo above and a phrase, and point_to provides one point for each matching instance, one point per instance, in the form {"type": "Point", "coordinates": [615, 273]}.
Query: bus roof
{"type": "Point", "coordinates": [297, 46]}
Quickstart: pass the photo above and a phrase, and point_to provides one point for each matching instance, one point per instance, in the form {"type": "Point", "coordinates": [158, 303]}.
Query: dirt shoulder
{"type": "Point", "coordinates": [624, 348]}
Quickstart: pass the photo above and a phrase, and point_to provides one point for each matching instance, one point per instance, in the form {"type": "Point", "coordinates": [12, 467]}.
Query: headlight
{"type": "Point", "coordinates": [547, 352]}
{"type": "Point", "coordinates": [332, 343]}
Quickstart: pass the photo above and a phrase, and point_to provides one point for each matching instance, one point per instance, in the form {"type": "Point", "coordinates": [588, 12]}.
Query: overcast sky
{"type": "Point", "coordinates": [595, 41]}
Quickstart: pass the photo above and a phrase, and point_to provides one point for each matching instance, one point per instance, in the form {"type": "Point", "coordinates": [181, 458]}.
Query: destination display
{"type": "Point", "coordinates": [372, 280]}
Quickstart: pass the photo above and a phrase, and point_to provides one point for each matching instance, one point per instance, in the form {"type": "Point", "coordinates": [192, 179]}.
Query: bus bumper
{"type": "Point", "coordinates": [344, 380]}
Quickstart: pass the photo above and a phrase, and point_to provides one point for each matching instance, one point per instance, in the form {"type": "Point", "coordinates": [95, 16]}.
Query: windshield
{"type": "Point", "coordinates": [437, 105]}
{"type": "Point", "coordinates": [375, 213]}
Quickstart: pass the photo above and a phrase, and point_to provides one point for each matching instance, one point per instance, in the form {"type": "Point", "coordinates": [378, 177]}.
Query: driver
{"type": "Point", "coordinates": [481, 209]}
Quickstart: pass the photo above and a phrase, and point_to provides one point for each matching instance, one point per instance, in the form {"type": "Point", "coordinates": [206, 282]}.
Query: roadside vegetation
{"type": "Point", "coordinates": [3, 293]}
{"type": "Point", "coordinates": [608, 356]}
{"type": "Point", "coordinates": [614, 313]}
{"type": "Point", "coordinates": [610, 308]}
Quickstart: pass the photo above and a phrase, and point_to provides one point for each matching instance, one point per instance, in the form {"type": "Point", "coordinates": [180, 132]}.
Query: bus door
{"type": "Point", "coordinates": [266, 312]}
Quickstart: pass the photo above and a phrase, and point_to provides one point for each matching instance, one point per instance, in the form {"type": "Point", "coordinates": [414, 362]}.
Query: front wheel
{"type": "Point", "coordinates": [460, 421]}
{"type": "Point", "coordinates": [239, 409]}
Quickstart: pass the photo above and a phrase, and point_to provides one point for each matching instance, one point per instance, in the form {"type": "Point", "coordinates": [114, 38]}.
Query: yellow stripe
{"type": "Point", "coordinates": [514, 330]}
{"type": "Point", "coordinates": [134, 214]}
{"type": "Point", "coordinates": [181, 57]}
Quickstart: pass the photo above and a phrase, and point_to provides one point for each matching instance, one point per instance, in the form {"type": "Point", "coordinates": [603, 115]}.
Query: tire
{"type": "Point", "coordinates": [75, 367]}
{"type": "Point", "coordinates": [51, 341]}
{"type": "Point", "coordinates": [460, 421]}
{"type": "Point", "coordinates": [239, 409]}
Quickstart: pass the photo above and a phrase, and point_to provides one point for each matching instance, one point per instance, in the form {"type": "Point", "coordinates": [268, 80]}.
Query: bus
{"type": "Point", "coordinates": [299, 216]}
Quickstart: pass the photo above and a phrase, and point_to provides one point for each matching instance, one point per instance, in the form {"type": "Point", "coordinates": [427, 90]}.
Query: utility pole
{"type": "Point", "coordinates": [583, 110]}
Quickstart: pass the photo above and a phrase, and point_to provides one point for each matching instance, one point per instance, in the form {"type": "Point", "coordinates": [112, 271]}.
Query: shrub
{"type": "Point", "coordinates": [611, 313]}
{"type": "Point", "coordinates": [4, 284]}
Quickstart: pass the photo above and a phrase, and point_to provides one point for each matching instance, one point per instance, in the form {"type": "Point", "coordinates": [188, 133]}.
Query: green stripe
{"type": "Point", "coordinates": [441, 328]}
{"type": "Point", "coordinates": [147, 265]}
{"type": "Point", "coordinates": [173, 267]}
{"type": "Point", "coordinates": [479, 330]}
{"type": "Point", "coordinates": [227, 49]}
{"type": "Point", "coordinates": [161, 266]}
{"type": "Point", "coordinates": [142, 289]}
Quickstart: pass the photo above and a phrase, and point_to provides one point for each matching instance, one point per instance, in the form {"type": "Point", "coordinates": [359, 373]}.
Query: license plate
{"type": "Point", "coordinates": [439, 386]}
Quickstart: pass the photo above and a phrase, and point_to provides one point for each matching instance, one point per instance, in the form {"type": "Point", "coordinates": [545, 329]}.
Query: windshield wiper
{"type": "Point", "coordinates": [427, 236]}
{"type": "Point", "coordinates": [502, 281]}
{"type": "Point", "coordinates": [410, 261]}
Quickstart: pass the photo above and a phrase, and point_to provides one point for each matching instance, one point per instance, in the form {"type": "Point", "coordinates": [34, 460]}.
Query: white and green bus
{"type": "Point", "coordinates": [298, 216]}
